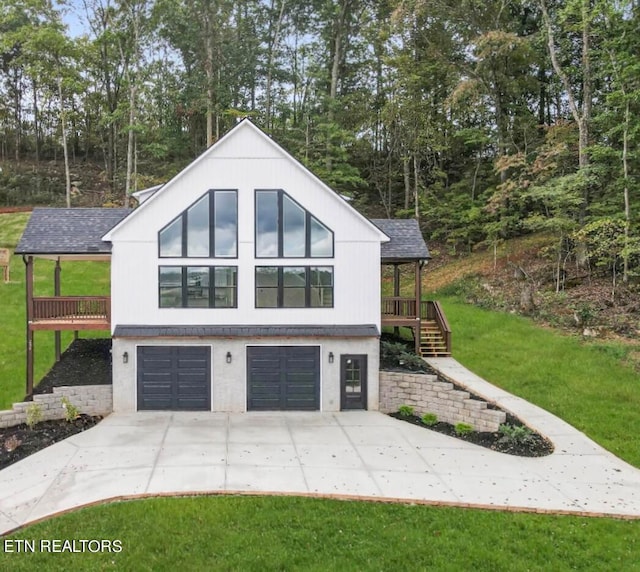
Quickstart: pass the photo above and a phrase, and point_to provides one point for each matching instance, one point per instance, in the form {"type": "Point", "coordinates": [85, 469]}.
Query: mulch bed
{"type": "Point", "coordinates": [19, 442]}
{"type": "Point", "coordinates": [536, 445]}
{"type": "Point", "coordinates": [85, 362]}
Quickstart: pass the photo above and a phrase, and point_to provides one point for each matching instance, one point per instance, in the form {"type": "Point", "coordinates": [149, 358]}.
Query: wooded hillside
{"type": "Point", "coordinates": [484, 119]}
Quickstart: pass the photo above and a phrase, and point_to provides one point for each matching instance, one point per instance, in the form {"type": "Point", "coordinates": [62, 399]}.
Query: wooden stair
{"type": "Point", "coordinates": [432, 342]}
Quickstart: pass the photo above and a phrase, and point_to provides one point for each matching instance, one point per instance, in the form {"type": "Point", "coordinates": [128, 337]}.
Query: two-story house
{"type": "Point", "coordinates": [244, 283]}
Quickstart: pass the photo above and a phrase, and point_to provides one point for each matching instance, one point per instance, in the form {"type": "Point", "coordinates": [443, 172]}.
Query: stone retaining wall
{"type": "Point", "coordinates": [89, 399]}
{"type": "Point", "coordinates": [426, 394]}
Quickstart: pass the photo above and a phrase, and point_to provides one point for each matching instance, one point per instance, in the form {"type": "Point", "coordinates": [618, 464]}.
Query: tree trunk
{"type": "Point", "coordinates": [407, 181]}
{"type": "Point", "coordinates": [627, 204]}
{"type": "Point", "coordinates": [416, 186]}
{"type": "Point", "coordinates": [273, 43]}
{"type": "Point", "coordinates": [210, 91]}
{"type": "Point", "coordinates": [36, 121]}
{"type": "Point", "coordinates": [63, 126]}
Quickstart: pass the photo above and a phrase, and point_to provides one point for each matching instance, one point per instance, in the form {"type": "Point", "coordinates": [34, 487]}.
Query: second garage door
{"type": "Point", "coordinates": [283, 378]}
{"type": "Point", "coordinates": [174, 377]}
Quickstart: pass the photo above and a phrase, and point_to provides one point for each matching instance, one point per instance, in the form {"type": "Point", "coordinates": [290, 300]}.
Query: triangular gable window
{"type": "Point", "coordinates": [207, 229]}
{"type": "Point", "coordinates": [284, 229]}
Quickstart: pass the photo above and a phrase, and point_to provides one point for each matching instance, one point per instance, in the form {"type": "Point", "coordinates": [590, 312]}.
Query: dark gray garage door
{"type": "Point", "coordinates": [283, 378]}
{"type": "Point", "coordinates": [174, 377]}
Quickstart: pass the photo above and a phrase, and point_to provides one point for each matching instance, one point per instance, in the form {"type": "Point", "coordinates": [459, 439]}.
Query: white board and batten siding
{"type": "Point", "coordinates": [246, 160]}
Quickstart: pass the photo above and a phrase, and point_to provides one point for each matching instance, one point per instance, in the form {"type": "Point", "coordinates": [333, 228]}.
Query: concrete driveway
{"type": "Point", "coordinates": [348, 454]}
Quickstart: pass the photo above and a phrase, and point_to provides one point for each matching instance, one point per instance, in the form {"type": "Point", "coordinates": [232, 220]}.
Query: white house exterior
{"type": "Point", "coordinates": [245, 283]}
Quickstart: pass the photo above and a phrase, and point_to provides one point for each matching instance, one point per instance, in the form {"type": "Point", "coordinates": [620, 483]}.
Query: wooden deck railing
{"type": "Point", "coordinates": [399, 307]}
{"type": "Point", "coordinates": [73, 308]}
{"type": "Point", "coordinates": [432, 310]}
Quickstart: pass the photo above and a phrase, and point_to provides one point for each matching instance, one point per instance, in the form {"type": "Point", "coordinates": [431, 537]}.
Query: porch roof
{"type": "Point", "coordinates": [75, 232]}
{"type": "Point", "coordinates": [406, 244]}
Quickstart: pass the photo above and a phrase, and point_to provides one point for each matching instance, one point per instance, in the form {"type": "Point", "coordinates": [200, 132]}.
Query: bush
{"type": "Point", "coordinates": [405, 410]}
{"type": "Point", "coordinates": [34, 415]}
{"type": "Point", "coordinates": [463, 429]}
{"type": "Point", "coordinates": [397, 354]}
{"type": "Point", "coordinates": [515, 434]}
{"type": "Point", "coordinates": [71, 412]}
{"type": "Point", "coordinates": [429, 419]}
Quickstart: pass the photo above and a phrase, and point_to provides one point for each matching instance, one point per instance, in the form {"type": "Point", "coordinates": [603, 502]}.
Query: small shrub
{"type": "Point", "coordinates": [429, 419]}
{"type": "Point", "coordinates": [392, 351]}
{"type": "Point", "coordinates": [463, 429]}
{"type": "Point", "coordinates": [34, 415]}
{"type": "Point", "coordinates": [71, 412]}
{"type": "Point", "coordinates": [405, 410]}
{"type": "Point", "coordinates": [398, 354]}
{"type": "Point", "coordinates": [411, 361]}
{"type": "Point", "coordinates": [515, 434]}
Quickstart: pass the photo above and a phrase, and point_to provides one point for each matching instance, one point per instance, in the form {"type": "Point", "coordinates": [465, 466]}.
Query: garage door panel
{"type": "Point", "coordinates": [158, 364]}
{"type": "Point", "coordinates": [174, 377]}
{"type": "Point", "coordinates": [285, 377]}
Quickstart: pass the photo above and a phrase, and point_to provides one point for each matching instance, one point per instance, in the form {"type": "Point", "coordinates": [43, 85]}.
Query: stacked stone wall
{"type": "Point", "coordinates": [89, 399]}
{"type": "Point", "coordinates": [427, 394]}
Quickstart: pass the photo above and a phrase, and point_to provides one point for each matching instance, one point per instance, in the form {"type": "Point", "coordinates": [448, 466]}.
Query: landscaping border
{"type": "Point", "coordinates": [426, 393]}
{"type": "Point", "coordinates": [89, 399]}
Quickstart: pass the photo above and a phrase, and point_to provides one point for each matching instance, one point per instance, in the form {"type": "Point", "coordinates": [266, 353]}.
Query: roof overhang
{"type": "Point", "coordinates": [388, 260]}
{"type": "Point", "coordinates": [102, 257]}
{"type": "Point", "coordinates": [347, 331]}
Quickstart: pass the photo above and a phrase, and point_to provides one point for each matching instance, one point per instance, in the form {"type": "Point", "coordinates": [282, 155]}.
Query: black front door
{"type": "Point", "coordinates": [353, 381]}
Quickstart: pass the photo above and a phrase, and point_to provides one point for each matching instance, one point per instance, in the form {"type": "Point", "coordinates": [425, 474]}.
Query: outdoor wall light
{"type": "Point", "coordinates": [330, 357]}
{"type": "Point", "coordinates": [125, 357]}
{"type": "Point", "coordinates": [228, 357]}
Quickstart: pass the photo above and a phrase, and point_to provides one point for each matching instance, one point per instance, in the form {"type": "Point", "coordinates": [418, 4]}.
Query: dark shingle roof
{"type": "Point", "coordinates": [406, 241]}
{"type": "Point", "coordinates": [348, 331]}
{"type": "Point", "coordinates": [69, 231]}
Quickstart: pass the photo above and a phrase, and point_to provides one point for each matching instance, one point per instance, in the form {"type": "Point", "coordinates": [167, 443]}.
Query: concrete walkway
{"type": "Point", "coordinates": [356, 454]}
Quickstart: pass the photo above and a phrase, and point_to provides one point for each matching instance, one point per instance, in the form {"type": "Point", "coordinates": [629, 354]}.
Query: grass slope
{"type": "Point", "coordinates": [584, 383]}
{"type": "Point", "coordinates": [77, 278]}
{"type": "Point", "coordinates": [277, 533]}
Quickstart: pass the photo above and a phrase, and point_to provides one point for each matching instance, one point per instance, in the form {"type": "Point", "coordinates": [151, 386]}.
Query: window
{"type": "Point", "coordinates": [286, 230]}
{"type": "Point", "coordinates": [207, 229]}
{"type": "Point", "coordinates": [198, 286]}
{"type": "Point", "coordinates": [294, 287]}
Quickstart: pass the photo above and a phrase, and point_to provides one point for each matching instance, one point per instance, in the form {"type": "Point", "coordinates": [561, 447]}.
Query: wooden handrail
{"type": "Point", "coordinates": [432, 310]}
{"type": "Point", "coordinates": [71, 307]}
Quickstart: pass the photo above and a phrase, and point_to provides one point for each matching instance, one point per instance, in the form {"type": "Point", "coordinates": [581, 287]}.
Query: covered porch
{"type": "Point", "coordinates": [425, 318]}
{"type": "Point", "coordinates": [64, 235]}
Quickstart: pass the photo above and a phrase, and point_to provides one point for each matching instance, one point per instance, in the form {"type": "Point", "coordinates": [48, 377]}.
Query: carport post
{"type": "Point", "coordinates": [56, 292]}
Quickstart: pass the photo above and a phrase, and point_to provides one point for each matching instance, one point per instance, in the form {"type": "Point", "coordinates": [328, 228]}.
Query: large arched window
{"type": "Point", "coordinates": [207, 229]}
{"type": "Point", "coordinates": [284, 229]}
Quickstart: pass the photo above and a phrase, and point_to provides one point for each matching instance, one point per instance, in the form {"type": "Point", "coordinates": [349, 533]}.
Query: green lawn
{"type": "Point", "coordinates": [289, 533]}
{"type": "Point", "coordinates": [585, 383]}
{"type": "Point", "coordinates": [77, 278]}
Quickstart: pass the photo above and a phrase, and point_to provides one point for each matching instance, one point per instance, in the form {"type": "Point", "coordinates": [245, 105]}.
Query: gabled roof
{"type": "Point", "coordinates": [406, 241]}
{"type": "Point", "coordinates": [244, 124]}
{"type": "Point", "coordinates": [76, 231]}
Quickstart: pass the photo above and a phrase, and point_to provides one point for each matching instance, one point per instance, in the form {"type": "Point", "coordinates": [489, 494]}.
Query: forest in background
{"type": "Point", "coordinates": [485, 120]}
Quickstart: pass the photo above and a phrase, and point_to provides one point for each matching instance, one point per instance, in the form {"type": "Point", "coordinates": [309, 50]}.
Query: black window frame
{"type": "Point", "coordinates": [184, 286]}
{"type": "Point", "coordinates": [281, 288]}
{"type": "Point", "coordinates": [280, 224]}
{"type": "Point", "coordinates": [184, 215]}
